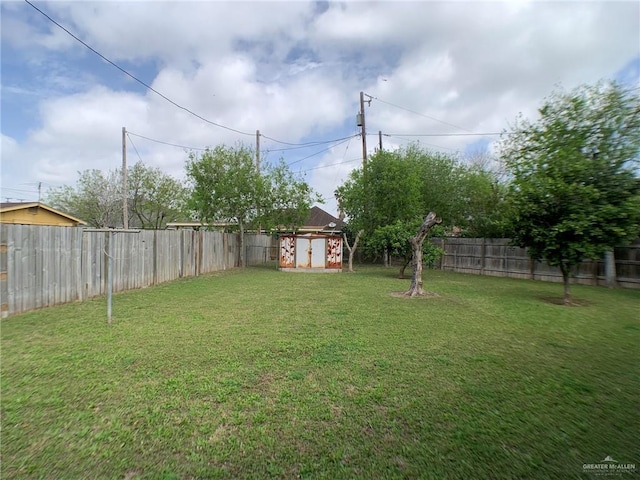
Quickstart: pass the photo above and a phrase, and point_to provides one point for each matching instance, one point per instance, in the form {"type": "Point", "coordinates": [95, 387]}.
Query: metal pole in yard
{"type": "Point", "coordinates": [110, 275]}
{"type": "Point", "coordinates": [110, 240]}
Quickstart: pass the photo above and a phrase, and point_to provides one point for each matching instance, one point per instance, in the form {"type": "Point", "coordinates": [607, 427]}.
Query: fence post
{"type": "Point", "coordinates": [483, 253]}
{"type": "Point", "coordinates": [200, 241]}
{"type": "Point", "coordinates": [155, 257]}
{"type": "Point", "coordinates": [610, 268]}
{"type": "Point", "coordinates": [532, 268]}
{"type": "Point", "coordinates": [109, 253]}
{"type": "Point", "coordinates": [4, 273]}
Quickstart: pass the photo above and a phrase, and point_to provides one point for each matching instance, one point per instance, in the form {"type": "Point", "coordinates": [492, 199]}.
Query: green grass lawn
{"type": "Point", "coordinates": [265, 374]}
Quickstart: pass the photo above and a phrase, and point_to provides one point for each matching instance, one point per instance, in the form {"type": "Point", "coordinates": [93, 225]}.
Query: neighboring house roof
{"type": "Point", "coordinates": [9, 207]}
{"type": "Point", "coordinates": [197, 225]}
{"type": "Point", "coordinates": [321, 221]}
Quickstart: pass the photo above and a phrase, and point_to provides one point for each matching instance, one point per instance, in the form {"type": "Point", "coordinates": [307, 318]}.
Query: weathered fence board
{"type": "Point", "coordinates": [41, 266]}
{"type": "Point", "coordinates": [4, 285]}
{"type": "Point", "coordinates": [485, 256]}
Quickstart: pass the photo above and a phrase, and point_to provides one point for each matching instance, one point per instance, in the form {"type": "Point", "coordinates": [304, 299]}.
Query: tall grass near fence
{"type": "Point", "coordinates": [43, 266]}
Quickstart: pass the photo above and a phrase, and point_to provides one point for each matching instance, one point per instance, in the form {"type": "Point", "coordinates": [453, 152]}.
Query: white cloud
{"type": "Point", "coordinates": [290, 70]}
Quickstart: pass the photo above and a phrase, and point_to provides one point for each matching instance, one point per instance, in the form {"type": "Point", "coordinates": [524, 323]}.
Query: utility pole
{"type": "Point", "coordinates": [258, 170]}
{"type": "Point", "coordinates": [361, 123]}
{"type": "Point", "coordinates": [125, 211]}
{"type": "Point", "coordinates": [39, 191]}
{"type": "Point", "coordinates": [380, 138]}
{"type": "Point", "coordinates": [258, 151]}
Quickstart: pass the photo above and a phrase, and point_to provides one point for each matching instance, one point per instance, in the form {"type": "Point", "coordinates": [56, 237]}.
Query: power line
{"type": "Point", "coordinates": [321, 151]}
{"type": "Point", "coordinates": [307, 145]}
{"type": "Point", "coordinates": [156, 91]}
{"type": "Point", "coordinates": [425, 143]}
{"type": "Point", "coordinates": [418, 113]}
{"type": "Point", "coordinates": [134, 77]}
{"type": "Point", "coordinates": [335, 178]}
{"type": "Point", "coordinates": [18, 190]}
{"type": "Point", "coordinates": [165, 143]}
{"type": "Point", "coordinates": [445, 134]}
{"type": "Point", "coordinates": [332, 164]}
{"type": "Point", "coordinates": [134, 147]}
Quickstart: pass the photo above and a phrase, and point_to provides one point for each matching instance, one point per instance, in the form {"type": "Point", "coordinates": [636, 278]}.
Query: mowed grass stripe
{"type": "Point", "coordinates": [257, 373]}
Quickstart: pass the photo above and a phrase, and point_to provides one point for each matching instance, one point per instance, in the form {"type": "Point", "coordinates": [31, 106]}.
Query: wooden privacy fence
{"type": "Point", "coordinates": [44, 266]}
{"type": "Point", "coordinates": [495, 256]}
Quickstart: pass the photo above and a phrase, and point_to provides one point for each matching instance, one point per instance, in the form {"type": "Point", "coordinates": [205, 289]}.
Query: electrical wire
{"type": "Point", "coordinates": [445, 134]}
{"type": "Point", "coordinates": [165, 143]}
{"type": "Point", "coordinates": [309, 145]}
{"type": "Point", "coordinates": [319, 152]}
{"type": "Point", "coordinates": [18, 190]}
{"type": "Point", "coordinates": [136, 78]}
{"type": "Point", "coordinates": [425, 143]}
{"type": "Point", "coordinates": [156, 91]}
{"type": "Point", "coordinates": [335, 177]}
{"type": "Point", "coordinates": [331, 165]}
{"type": "Point", "coordinates": [134, 147]}
{"type": "Point", "coordinates": [417, 113]}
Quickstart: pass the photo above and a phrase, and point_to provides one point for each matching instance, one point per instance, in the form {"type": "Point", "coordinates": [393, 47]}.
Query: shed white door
{"type": "Point", "coordinates": [310, 252]}
{"type": "Point", "coordinates": [317, 253]}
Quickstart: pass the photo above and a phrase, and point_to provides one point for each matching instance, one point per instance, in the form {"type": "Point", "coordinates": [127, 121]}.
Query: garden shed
{"type": "Point", "coordinates": [316, 246]}
{"type": "Point", "coordinates": [310, 252]}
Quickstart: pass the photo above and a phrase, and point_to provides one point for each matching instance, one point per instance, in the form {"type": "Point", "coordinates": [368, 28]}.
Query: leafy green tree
{"type": "Point", "coordinates": [575, 191]}
{"type": "Point", "coordinates": [226, 186]}
{"type": "Point", "coordinates": [286, 198]}
{"type": "Point", "coordinates": [486, 209]}
{"type": "Point", "coordinates": [390, 198]}
{"type": "Point", "coordinates": [155, 198]}
{"type": "Point", "coordinates": [96, 198]}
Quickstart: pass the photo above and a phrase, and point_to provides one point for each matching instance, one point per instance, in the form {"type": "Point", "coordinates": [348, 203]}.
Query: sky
{"type": "Point", "coordinates": [448, 75]}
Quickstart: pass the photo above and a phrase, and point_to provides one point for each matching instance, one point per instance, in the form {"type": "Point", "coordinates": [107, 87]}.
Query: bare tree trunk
{"type": "Point", "coordinates": [385, 257]}
{"type": "Point", "coordinates": [352, 250]}
{"type": "Point", "coordinates": [416, 260]}
{"type": "Point", "coordinates": [565, 269]}
{"type": "Point", "coordinates": [403, 268]}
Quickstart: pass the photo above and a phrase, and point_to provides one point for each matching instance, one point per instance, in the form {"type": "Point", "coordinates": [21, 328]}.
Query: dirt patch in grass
{"type": "Point", "coordinates": [560, 301]}
{"type": "Point", "coordinates": [404, 295]}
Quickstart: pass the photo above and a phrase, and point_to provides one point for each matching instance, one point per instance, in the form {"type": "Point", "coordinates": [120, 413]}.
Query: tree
{"type": "Point", "coordinates": [416, 247]}
{"type": "Point", "coordinates": [155, 198]}
{"type": "Point", "coordinates": [96, 198]}
{"type": "Point", "coordinates": [486, 209]}
{"type": "Point", "coordinates": [575, 191]}
{"type": "Point", "coordinates": [352, 249]}
{"type": "Point", "coordinates": [395, 239]}
{"type": "Point", "coordinates": [287, 198]}
{"type": "Point", "coordinates": [390, 200]}
{"type": "Point", "coordinates": [227, 186]}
